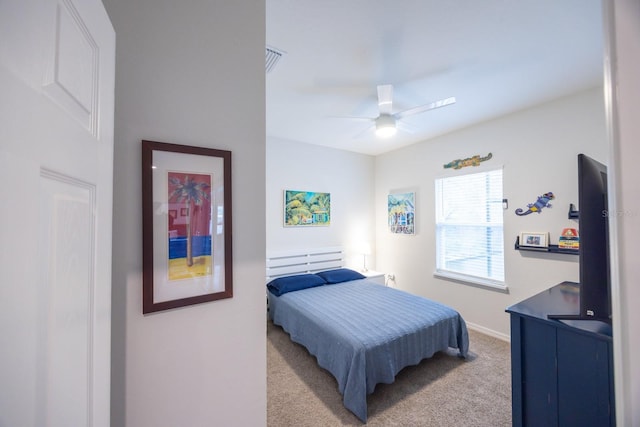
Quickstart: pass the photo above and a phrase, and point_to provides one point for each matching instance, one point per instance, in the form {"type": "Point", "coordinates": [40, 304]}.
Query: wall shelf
{"type": "Point", "coordinates": [554, 249]}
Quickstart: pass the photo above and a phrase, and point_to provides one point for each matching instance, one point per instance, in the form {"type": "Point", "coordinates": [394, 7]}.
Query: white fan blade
{"type": "Point", "coordinates": [423, 108]}
{"type": "Point", "coordinates": [364, 132]}
{"type": "Point", "coordinates": [371, 119]}
{"type": "Point", "coordinates": [385, 99]}
{"type": "Point", "coordinates": [403, 127]}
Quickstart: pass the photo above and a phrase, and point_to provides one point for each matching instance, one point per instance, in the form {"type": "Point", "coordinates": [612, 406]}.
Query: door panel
{"type": "Point", "coordinates": [539, 374]}
{"type": "Point", "coordinates": [65, 295]}
{"type": "Point", "coordinates": [72, 73]}
{"type": "Point", "coordinates": [583, 380]}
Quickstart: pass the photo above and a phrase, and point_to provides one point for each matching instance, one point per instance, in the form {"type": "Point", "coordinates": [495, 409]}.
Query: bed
{"type": "Point", "coordinates": [361, 332]}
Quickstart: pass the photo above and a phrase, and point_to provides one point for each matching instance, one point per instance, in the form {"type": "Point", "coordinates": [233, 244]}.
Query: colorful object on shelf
{"type": "Point", "coordinates": [471, 161]}
{"type": "Point", "coordinates": [542, 202]}
{"type": "Point", "coordinates": [569, 239]}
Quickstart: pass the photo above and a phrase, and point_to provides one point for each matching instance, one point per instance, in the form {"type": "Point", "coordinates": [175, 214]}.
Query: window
{"type": "Point", "coordinates": [469, 230]}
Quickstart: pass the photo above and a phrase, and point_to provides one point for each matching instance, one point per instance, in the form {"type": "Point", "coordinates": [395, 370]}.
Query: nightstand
{"type": "Point", "coordinates": [374, 276]}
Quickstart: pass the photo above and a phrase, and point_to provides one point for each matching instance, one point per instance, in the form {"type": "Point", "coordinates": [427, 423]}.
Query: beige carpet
{"type": "Point", "coordinates": [444, 390]}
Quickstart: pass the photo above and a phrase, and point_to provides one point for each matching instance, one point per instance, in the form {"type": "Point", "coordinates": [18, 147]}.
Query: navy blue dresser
{"type": "Point", "coordinates": [561, 370]}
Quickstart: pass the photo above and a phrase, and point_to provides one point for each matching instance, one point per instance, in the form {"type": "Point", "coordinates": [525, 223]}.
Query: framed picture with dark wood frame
{"type": "Point", "coordinates": [186, 258]}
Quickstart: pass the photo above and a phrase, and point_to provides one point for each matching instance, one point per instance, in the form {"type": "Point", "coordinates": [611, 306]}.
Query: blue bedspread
{"type": "Point", "coordinates": [365, 333]}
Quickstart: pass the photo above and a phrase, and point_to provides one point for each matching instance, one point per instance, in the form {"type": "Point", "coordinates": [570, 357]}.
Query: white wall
{"type": "Point", "coordinates": [347, 176]}
{"type": "Point", "coordinates": [195, 76]}
{"type": "Point", "coordinates": [538, 150]}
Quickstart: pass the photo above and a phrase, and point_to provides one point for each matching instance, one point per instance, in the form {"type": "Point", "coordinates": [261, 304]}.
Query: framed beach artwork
{"type": "Point", "coordinates": [306, 208]}
{"type": "Point", "coordinates": [401, 213]}
{"type": "Point", "coordinates": [186, 225]}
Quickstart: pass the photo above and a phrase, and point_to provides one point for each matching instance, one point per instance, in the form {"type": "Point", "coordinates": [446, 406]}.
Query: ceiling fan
{"type": "Point", "coordinates": [385, 123]}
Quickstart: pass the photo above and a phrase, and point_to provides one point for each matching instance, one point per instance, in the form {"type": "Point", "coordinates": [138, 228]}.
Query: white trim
{"type": "Point", "coordinates": [490, 332]}
{"type": "Point", "coordinates": [621, 362]}
{"type": "Point", "coordinates": [472, 280]}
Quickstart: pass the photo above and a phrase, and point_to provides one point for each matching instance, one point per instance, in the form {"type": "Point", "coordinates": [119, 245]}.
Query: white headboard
{"type": "Point", "coordinates": [303, 261]}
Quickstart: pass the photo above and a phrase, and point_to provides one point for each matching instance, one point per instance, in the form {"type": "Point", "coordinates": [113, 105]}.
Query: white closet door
{"type": "Point", "coordinates": [57, 61]}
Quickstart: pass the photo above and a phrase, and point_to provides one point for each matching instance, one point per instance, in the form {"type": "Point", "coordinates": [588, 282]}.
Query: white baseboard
{"type": "Point", "coordinates": [490, 332]}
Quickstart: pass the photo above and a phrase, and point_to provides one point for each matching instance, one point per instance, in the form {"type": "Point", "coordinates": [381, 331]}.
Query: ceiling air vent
{"type": "Point", "coordinates": [273, 56]}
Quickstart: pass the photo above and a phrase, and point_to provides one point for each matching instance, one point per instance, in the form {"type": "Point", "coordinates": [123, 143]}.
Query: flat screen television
{"type": "Point", "coordinates": [593, 229]}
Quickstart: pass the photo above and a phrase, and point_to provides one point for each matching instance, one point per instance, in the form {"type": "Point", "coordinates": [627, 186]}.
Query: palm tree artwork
{"type": "Point", "coordinates": [307, 208]}
{"type": "Point", "coordinates": [192, 192]}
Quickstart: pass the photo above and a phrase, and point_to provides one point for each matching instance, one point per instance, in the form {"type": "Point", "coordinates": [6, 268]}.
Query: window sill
{"type": "Point", "coordinates": [472, 281]}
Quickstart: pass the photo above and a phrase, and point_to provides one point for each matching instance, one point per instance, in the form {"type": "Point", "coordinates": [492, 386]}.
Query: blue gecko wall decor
{"type": "Point", "coordinates": [542, 202]}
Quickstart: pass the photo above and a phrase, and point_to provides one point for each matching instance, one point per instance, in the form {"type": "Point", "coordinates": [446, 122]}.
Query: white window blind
{"type": "Point", "coordinates": [469, 230]}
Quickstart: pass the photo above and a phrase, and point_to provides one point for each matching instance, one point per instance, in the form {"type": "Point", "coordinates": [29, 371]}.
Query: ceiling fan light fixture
{"type": "Point", "coordinates": [386, 126]}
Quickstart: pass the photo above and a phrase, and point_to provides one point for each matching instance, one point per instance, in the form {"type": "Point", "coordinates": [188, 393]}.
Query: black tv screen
{"type": "Point", "coordinates": [593, 228]}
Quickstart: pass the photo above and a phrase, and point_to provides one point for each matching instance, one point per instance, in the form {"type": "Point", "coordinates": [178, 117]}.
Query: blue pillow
{"type": "Point", "coordinates": [282, 285]}
{"type": "Point", "coordinates": [340, 275]}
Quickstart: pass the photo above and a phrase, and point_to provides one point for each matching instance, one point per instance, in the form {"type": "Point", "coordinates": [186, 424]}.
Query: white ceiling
{"type": "Point", "coordinates": [493, 56]}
